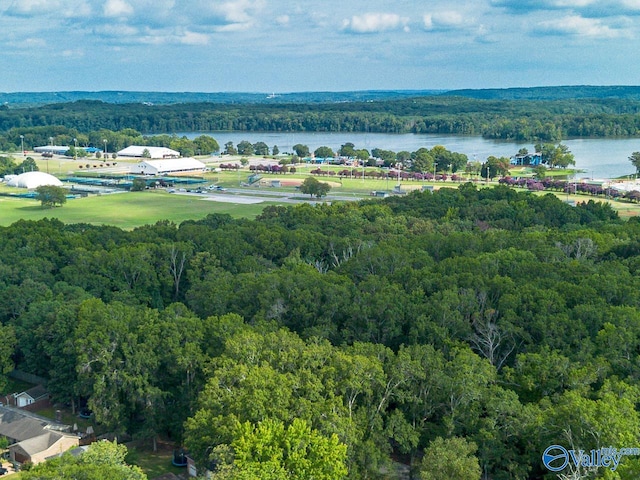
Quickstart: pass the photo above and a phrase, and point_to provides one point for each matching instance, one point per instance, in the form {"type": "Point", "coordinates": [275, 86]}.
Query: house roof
{"type": "Point", "coordinates": [155, 152]}
{"type": "Point", "coordinates": [57, 149]}
{"type": "Point", "coordinates": [37, 392]}
{"type": "Point", "coordinates": [35, 445]}
{"type": "Point", "coordinates": [20, 425]}
{"type": "Point", "coordinates": [172, 165]}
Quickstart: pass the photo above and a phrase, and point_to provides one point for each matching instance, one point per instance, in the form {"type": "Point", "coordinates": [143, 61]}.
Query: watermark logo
{"type": "Point", "coordinates": [556, 458]}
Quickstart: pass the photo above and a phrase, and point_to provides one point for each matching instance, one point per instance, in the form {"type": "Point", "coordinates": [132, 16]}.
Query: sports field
{"type": "Point", "coordinates": [132, 209]}
{"type": "Point", "coordinates": [125, 210]}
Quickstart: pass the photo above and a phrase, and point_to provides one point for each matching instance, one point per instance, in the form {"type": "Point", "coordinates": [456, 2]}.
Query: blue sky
{"type": "Point", "coordinates": [308, 45]}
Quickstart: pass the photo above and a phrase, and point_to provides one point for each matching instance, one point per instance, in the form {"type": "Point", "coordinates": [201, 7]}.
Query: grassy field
{"type": "Point", "coordinates": [124, 210]}
{"type": "Point", "coordinates": [129, 210]}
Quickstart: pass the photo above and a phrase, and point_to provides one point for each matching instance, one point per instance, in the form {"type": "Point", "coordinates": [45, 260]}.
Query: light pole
{"type": "Point", "coordinates": [22, 144]}
{"type": "Point", "coordinates": [75, 149]}
{"type": "Point", "coordinates": [50, 153]}
{"type": "Point", "coordinates": [105, 147]}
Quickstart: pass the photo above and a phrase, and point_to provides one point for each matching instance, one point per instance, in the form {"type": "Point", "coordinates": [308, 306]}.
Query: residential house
{"type": "Point", "coordinates": [33, 438]}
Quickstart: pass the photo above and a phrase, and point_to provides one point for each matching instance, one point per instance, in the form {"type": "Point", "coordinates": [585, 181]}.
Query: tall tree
{"type": "Point", "coordinates": [229, 149]}
{"type": "Point", "coordinates": [323, 152]}
{"type": "Point", "coordinates": [103, 460]}
{"type": "Point", "coordinates": [313, 187]}
{"type": "Point", "coordinates": [494, 167]}
{"type": "Point", "coordinates": [347, 150]}
{"type": "Point", "coordinates": [261, 148]}
{"type": "Point", "coordinates": [245, 148]}
{"type": "Point", "coordinates": [271, 450]}
{"type": "Point", "coordinates": [205, 145]}
{"type": "Point", "coordinates": [301, 150]}
{"type": "Point", "coordinates": [635, 160]}
{"type": "Point", "coordinates": [450, 459]}
{"type": "Point", "coordinates": [51, 196]}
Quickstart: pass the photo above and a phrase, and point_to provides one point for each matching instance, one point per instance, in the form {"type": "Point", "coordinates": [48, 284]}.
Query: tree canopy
{"type": "Point", "coordinates": [103, 460]}
{"type": "Point", "coordinates": [485, 322]}
{"type": "Point", "coordinates": [314, 187]}
{"type": "Point", "coordinates": [51, 195]}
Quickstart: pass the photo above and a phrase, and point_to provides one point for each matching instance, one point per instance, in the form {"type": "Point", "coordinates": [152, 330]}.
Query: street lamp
{"type": "Point", "coordinates": [105, 147]}
{"type": "Point", "coordinates": [22, 144]}
{"type": "Point", "coordinates": [50, 153]}
{"type": "Point", "coordinates": [75, 149]}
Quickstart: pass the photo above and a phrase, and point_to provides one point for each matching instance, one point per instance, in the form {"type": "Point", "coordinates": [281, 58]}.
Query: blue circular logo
{"type": "Point", "coordinates": [555, 458]}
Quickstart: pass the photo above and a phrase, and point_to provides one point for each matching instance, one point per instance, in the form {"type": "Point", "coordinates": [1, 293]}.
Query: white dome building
{"type": "Point", "coordinates": [33, 180]}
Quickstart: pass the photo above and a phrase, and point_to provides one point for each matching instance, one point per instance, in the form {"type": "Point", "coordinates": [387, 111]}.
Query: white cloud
{"type": "Point", "coordinates": [283, 19]}
{"type": "Point", "coordinates": [533, 5]}
{"type": "Point", "coordinates": [193, 38]}
{"type": "Point", "coordinates": [374, 22]}
{"type": "Point", "coordinates": [73, 53]}
{"type": "Point", "coordinates": [238, 14]}
{"type": "Point", "coordinates": [444, 21]}
{"type": "Point", "coordinates": [591, 8]}
{"type": "Point", "coordinates": [33, 7]}
{"type": "Point", "coordinates": [46, 8]}
{"type": "Point", "coordinates": [117, 8]}
{"type": "Point", "coordinates": [575, 25]}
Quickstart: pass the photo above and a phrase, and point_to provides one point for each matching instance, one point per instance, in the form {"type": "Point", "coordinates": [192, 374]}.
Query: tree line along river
{"type": "Point", "coordinates": [596, 157]}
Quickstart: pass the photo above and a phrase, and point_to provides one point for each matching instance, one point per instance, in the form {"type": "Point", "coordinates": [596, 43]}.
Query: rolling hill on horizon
{"type": "Point", "coordinates": [30, 99]}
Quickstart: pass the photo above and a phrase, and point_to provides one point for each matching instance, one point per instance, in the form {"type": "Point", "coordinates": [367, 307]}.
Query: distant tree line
{"type": "Point", "coordinates": [532, 120]}
{"type": "Point", "coordinates": [31, 137]}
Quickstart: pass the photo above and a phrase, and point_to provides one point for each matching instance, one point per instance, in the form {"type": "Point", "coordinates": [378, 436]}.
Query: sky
{"type": "Point", "coordinates": [280, 46]}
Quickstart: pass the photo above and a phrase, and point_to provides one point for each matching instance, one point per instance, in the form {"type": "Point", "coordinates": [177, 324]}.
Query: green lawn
{"type": "Point", "coordinates": [132, 209]}
{"type": "Point", "coordinates": [124, 210]}
{"type": "Point", "coordinates": [153, 464]}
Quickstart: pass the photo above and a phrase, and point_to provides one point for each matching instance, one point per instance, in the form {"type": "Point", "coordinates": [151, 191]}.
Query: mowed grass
{"type": "Point", "coordinates": [125, 210]}
{"type": "Point", "coordinates": [153, 464]}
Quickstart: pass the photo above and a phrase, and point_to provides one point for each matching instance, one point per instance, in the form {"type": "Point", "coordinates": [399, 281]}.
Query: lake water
{"type": "Point", "coordinates": [597, 157]}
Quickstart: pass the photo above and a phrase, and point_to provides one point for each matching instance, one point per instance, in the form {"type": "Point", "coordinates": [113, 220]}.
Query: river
{"type": "Point", "coordinates": [596, 157]}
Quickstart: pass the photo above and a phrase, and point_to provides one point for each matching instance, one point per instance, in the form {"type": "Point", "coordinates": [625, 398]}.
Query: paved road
{"type": "Point", "coordinates": [248, 196]}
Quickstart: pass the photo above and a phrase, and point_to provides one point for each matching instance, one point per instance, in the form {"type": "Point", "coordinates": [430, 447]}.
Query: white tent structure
{"type": "Point", "coordinates": [169, 166]}
{"type": "Point", "coordinates": [33, 180]}
{"type": "Point", "coordinates": [137, 151]}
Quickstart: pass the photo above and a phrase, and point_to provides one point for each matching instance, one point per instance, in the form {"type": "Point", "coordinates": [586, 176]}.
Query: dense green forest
{"type": "Point", "coordinates": [513, 119]}
{"type": "Point", "coordinates": [484, 325]}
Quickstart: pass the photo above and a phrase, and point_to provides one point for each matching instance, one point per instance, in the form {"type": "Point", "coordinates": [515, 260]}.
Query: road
{"type": "Point", "coordinates": [259, 195]}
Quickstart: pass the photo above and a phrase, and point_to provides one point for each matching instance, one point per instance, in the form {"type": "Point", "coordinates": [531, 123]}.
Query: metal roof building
{"type": "Point", "coordinates": [169, 166]}
{"type": "Point", "coordinates": [57, 149]}
{"type": "Point", "coordinates": [137, 151]}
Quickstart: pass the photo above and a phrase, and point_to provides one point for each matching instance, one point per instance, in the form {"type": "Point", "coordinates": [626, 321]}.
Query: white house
{"type": "Point", "coordinates": [169, 166]}
{"type": "Point", "coordinates": [30, 396]}
{"type": "Point", "coordinates": [33, 438]}
{"type": "Point", "coordinates": [137, 151]}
